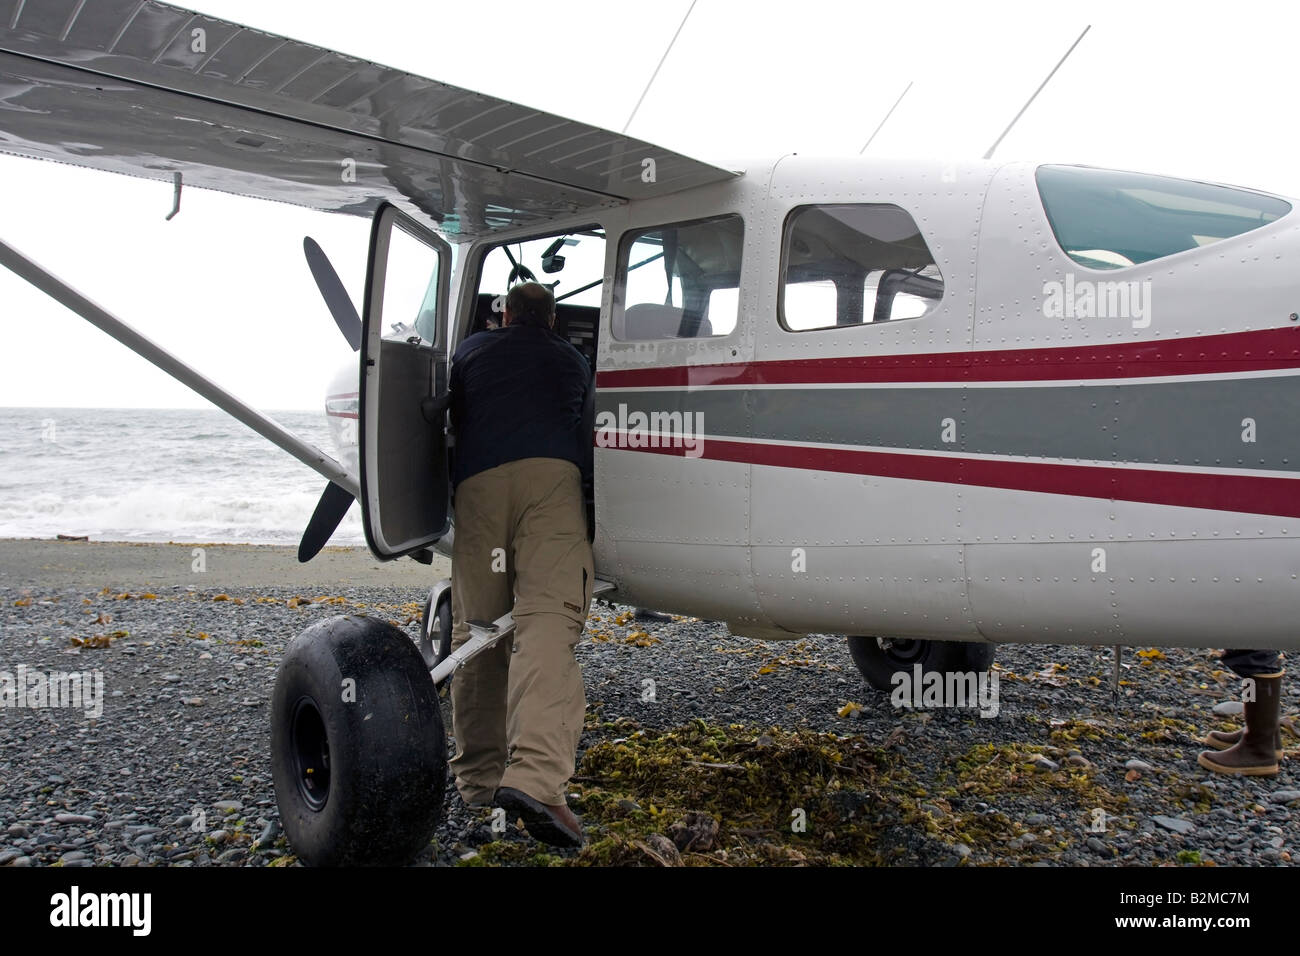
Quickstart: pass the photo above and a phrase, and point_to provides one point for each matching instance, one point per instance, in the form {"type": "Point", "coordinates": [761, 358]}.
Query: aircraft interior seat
{"type": "Point", "coordinates": [647, 320]}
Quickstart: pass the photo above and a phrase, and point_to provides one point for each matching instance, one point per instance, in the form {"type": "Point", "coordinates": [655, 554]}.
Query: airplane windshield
{"type": "Point", "coordinates": [1105, 219]}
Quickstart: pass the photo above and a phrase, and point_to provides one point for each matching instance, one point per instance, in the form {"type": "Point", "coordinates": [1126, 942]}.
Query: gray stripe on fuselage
{"type": "Point", "coordinates": [1182, 423]}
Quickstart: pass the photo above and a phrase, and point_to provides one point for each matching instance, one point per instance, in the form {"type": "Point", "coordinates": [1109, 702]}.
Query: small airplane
{"type": "Point", "coordinates": [933, 406]}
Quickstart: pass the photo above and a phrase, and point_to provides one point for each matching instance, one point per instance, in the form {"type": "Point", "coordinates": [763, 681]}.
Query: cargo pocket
{"type": "Point", "coordinates": [580, 608]}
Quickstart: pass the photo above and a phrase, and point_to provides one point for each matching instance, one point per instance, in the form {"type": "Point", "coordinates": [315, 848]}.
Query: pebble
{"type": "Point", "coordinates": [1284, 796]}
{"type": "Point", "coordinates": [1229, 708]}
{"type": "Point", "coordinates": [219, 836]}
{"type": "Point", "coordinates": [1042, 763]}
{"type": "Point", "coordinates": [72, 818]}
{"type": "Point", "coordinates": [268, 834]}
{"type": "Point", "coordinates": [186, 754]}
{"type": "Point", "coordinates": [227, 806]}
{"type": "Point", "coordinates": [664, 848]}
{"type": "Point", "coordinates": [1176, 824]}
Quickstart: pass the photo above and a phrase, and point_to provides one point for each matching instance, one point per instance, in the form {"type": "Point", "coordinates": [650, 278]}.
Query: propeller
{"type": "Point", "coordinates": [331, 288]}
{"type": "Point", "coordinates": [335, 501]}
{"type": "Point", "coordinates": [333, 505]}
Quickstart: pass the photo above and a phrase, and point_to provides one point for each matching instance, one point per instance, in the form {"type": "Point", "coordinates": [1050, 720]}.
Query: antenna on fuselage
{"type": "Point", "coordinates": [660, 66]}
{"type": "Point", "coordinates": [998, 141]}
{"type": "Point", "coordinates": [886, 119]}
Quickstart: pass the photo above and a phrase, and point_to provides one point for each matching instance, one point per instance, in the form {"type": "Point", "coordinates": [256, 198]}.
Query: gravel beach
{"type": "Point", "coordinates": [176, 769]}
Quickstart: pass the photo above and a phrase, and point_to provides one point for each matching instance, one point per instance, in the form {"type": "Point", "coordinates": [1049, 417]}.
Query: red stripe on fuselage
{"type": "Point", "coordinates": [1189, 355]}
{"type": "Point", "coordinates": [1250, 494]}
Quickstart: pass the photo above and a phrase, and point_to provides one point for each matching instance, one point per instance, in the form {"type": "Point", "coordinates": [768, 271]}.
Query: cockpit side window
{"type": "Point", "coordinates": [1107, 219]}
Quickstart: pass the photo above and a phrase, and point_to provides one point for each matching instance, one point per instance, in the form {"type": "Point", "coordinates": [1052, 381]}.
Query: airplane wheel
{"type": "Point", "coordinates": [442, 627]}
{"type": "Point", "coordinates": [878, 659]}
{"type": "Point", "coordinates": [358, 750]}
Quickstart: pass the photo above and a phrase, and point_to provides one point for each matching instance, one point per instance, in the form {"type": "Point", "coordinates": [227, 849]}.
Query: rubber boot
{"type": "Point", "coordinates": [1223, 739]}
{"type": "Point", "coordinates": [1256, 753]}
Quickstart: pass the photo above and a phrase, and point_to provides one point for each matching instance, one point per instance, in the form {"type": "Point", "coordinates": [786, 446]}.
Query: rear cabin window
{"type": "Point", "coordinates": [853, 265]}
{"type": "Point", "coordinates": [680, 281]}
{"type": "Point", "coordinates": [1106, 219]}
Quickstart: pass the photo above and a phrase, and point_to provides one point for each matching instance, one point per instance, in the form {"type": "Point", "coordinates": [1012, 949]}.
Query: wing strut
{"type": "Point", "coordinates": [96, 315]}
{"type": "Point", "coordinates": [177, 182]}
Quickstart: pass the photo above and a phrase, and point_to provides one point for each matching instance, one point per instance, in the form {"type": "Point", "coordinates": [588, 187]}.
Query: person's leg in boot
{"type": "Point", "coordinates": [1223, 739]}
{"type": "Point", "coordinates": [1246, 664]}
{"type": "Point", "coordinates": [481, 590]}
{"type": "Point", "coordinates": [1255, 755]}
{"type": "Point", "coordinates": [547, 705]}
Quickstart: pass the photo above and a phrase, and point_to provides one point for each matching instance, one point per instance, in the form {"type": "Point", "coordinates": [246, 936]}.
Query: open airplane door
{"type": "Point", "coordinates": [405, 486]}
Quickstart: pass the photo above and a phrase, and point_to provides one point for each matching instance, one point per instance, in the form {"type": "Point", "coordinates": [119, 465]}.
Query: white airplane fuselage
{"type": "Point", "coordinates": [1011, 466]}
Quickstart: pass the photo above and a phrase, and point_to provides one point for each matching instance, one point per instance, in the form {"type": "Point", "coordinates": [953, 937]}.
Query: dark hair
{"type": "Point", "coordinates": [531, 303]}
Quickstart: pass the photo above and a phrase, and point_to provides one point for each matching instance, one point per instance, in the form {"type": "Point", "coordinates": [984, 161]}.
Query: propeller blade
{"type": "Point", "coordinates": [333, 505]}
{"type": "Point", "coordinates": [331, 288]}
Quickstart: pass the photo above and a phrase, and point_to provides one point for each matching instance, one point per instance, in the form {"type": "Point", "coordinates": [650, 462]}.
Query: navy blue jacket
{"type": "Point", "coordinates": [520, 392]}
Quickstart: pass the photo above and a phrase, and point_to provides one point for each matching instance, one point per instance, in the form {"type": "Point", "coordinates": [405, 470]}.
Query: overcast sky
{"type": "Point", "coordinates": [1188, 89]}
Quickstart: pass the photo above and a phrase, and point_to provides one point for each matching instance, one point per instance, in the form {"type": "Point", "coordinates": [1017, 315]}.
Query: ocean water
{"type": "Point", "coordinates": [158, 475]}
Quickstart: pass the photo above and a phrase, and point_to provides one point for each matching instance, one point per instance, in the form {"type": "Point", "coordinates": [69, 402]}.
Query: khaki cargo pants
{"type": "Point", "coordinates": [518, 707]}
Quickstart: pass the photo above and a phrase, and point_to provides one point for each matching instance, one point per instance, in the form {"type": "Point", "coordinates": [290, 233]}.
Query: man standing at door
{"type": "Point", "coordinates": [522, 409]}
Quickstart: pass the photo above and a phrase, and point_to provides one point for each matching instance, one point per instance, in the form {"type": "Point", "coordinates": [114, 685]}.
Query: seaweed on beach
{"type": "Point", "coordinates": [706, 795]}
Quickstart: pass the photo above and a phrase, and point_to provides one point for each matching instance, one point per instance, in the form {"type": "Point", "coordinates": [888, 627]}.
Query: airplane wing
{"type": "Point", "coordinates": [150, 89]}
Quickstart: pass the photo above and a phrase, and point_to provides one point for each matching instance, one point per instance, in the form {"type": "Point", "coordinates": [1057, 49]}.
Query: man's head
{"type": "Point", "coordinates": [530, 303]}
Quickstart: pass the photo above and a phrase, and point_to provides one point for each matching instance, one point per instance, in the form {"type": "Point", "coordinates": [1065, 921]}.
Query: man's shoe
{"type": "Point", "coordinates": [555, 824]}
{"type": "Point", "coordinates": [1256, 753]}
